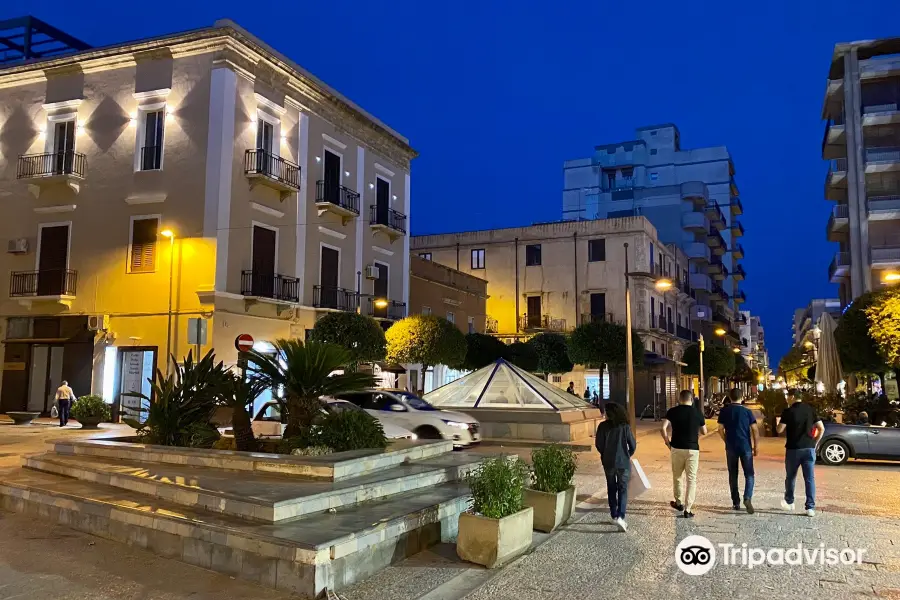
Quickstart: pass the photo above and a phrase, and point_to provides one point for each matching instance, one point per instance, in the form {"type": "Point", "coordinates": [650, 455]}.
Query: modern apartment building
{"type": "Point", "coordinates": [168, 194]}
{"type": "Point", "coordinates": [758, 350]}
{"type": "Point", "coordinates": [690, 196]}
{"type": "Point", "coordinates": [554, 276]}
{"type": "Point", "coordinates": [862, 145]}
{"type": "Point", "coordinates": [806, 319]}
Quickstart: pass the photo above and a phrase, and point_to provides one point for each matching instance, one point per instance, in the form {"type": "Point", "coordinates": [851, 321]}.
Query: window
{"type": "Point", "coordinates": [144, 235]}
{"type": "Point", "coordinates": [596, 250]}
{"type": "Point", "coordinates": [151, 150]}
{"type": "Point", "coordinates": [653, 151]}
{"type": "Point", "coordinates": [557, 379]}
{"type": "Point", "coordinates": [652, 258]}
{"type": "Point", "coordinates": [654, 176]}
{"type": "Point", "coordinates": [653, 347]}
{"type": "Point", "coordinates": [426, 310]}
{"type": "Point", "coordinates": [425, 255]}
{"type": "Point", "coordinates": [652, 311]}
{"type": "Point", "coordinates": [478, 258]}
{"type": "Point", "coordinates": [451, 317]}
{"type": "Point", "coordinates": [471, 324]}
{"type": "Point", "coordinates": [533, 255]}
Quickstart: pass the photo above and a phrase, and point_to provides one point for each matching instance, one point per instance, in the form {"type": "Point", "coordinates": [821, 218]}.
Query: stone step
{"type": "Point", "coordinates": [335, 467]}
{"type": "Point", "coordinates": [304, 555]}
{"type": "Point", "coordinates": [253, 495]}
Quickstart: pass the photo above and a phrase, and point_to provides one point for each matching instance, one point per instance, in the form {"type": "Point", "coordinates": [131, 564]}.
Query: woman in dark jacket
{"type": "Point", "coordinates": [616, 445]}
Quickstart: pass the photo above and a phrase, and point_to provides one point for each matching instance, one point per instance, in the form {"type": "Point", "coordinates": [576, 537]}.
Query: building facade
{"type": "Point", "coordinates": [862, 145]}
{"type": "Point", "coordinates": [555, 276]}
{"type": "Point", "coordinates": [807, 319]}
{"type": "Point", "coordinates": [169, 194]}
{"type": "Point", "coordinates": [690, 196]}
{"type": "Point", "coordinates": [759, 351]}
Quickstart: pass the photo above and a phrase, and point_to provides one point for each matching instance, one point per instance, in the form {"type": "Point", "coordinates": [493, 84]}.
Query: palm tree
{"type": "Point", "coordinates": [304, 373]}
{"type": "Point", "coordinates": [238, 394]}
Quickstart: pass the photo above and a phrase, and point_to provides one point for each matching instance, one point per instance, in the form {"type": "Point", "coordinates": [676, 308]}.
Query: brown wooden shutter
{"type": "Point", "coordinates": [143, 245]}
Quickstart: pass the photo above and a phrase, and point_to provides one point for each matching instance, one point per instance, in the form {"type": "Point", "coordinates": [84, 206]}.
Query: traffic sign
{"type": "Point", "coordinates": [243, 342]}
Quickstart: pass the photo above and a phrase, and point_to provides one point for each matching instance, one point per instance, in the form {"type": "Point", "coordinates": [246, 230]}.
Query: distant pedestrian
{"type": "Point", "coordinates": [587, 394]}
{"type": "Point", "coordinates": [740, 432]}
{"type": "Point", "coordinates": [804, 429]}
{"type": "Point", "coordinates": [64, 398]}
{"type": "Point", "coordinates": [686, 425]}
{"type": "Point", "coordinates": [862, 418]}
{"type": "Point", "coordinates": [616, 445]}
{"type": "Point", "coordinates": [571, 388]}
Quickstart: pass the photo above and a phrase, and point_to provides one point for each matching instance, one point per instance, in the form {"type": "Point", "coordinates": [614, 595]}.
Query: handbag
{"type": "Point", "coordinates": [638, 482]}
{"type": "Point", "coordinates": [54, 412]}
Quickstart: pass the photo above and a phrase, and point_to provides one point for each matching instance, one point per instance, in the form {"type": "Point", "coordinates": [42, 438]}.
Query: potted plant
{"type": "Point", "coordinates": [498, 526]}
{"type": "Point", "coordinates": [552, 495]}
{"type": "Point", "coordinates": [90, 411]}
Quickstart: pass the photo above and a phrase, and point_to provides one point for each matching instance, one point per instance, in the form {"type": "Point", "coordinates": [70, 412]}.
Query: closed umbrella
{"type": "Point", "coordinates": [828, 370]}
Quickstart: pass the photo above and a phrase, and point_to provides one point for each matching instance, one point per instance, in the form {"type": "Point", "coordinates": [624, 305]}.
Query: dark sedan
{"type": "Point", "coordinates": [843, 442]}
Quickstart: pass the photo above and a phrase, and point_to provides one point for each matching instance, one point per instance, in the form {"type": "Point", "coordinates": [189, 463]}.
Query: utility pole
{"type": "Point", "coordinates": [629, 361]}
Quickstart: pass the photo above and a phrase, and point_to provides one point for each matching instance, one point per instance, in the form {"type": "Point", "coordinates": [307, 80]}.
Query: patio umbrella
{"type": "Point", "coordinates": [828, 370]}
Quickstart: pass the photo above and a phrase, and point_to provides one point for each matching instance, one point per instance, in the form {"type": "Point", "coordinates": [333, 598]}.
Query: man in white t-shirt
{"type": "Point", "coordinates": [64, 398]}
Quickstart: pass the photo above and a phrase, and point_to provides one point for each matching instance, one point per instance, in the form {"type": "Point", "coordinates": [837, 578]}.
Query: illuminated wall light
{"type": "Point", "coordinates": [79, 130]}
{"type": "Point", "coordinates": [346, 173]}
{"type": "Point", "coordinates": [318, 159]}
{"type": "Point", "coordinates": [371, 186]}
{"type": "Point", "coordinates": [394, 196]}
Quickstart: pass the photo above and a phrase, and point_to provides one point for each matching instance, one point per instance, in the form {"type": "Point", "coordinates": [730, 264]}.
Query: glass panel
{"type": "Point", "coordinates": [37, 388]}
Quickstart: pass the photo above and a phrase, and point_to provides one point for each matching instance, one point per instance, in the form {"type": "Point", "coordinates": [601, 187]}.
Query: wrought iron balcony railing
{"type": "Point", "coordinates": [51, 163]}
{"type": "Point", "coordinates": [46, 282]}
{"type": "Point", "coordinates": [270, 285]}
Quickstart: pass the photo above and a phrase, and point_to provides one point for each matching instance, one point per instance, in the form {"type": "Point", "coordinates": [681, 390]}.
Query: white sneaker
{"type": "Point", "coordinates": [622, 524]}
{"type": "Point", "coordinates": [614, 520]}
{"type": "Point", "coordinates": [786, 506]}
{"type": "Point", "coordinates": [810, 512]}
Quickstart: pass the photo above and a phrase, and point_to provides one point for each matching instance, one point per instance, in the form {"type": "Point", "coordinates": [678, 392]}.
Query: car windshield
{"type": "Point", "coordinates": [341, 406]}
{"type": "Point", "coordinates": [414, 401]}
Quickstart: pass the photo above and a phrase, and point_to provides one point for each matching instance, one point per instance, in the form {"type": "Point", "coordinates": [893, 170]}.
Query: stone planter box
{"type": "Point", "coordinates": [22, 418]}
{"type": "Point", "coordinates": [494, 542]}
{"type": "Point", "coordinates": [550, 510]}
{"type": "Point", "coordinates": [90, 422]}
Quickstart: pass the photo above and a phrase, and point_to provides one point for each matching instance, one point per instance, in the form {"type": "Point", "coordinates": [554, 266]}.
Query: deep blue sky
{"type": "Point", "coordinates": [495, 95]}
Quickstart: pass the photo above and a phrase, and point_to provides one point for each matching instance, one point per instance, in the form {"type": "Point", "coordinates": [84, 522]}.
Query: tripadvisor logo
{"type": "Point", "coordinates": [696, 555]}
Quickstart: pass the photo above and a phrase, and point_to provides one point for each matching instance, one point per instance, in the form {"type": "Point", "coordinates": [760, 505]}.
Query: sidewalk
{"type": "Point", "coordinates": [648, 426]}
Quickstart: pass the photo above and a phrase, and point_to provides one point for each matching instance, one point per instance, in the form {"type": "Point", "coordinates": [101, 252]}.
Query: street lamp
{"type": "Point", "coordinates": [720, 332]}
{"type": "Point", "coordinates": [381, 303]}
{"type": "Point", "coordinates": [168, 233]}
{"type": "Point", "coordinates": [891, 277]}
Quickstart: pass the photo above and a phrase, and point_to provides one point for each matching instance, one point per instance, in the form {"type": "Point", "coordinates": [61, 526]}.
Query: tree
{"type": "Point", "coordinates": [552, 352]}
{"type": "Point", "coordinates": [362, 336]}
{"type": "Point", "coordinates": [793, 360]}
{"type": "Point", "coordinates": [238, 394]}
{"type": "Point", "coordinates": [742, 371]}
{"type": "Point", "coordinates": [884, 325]}
{"type": "Point", "coordinates": [427, 340]}
{"type": "Point", "coordinates": [305, 372]}
{"type": "Point", "coordinates": [600, 343]}
{"type": "Point", "coordinates": [718, 361]}
{"type": "Point", "coordinates": [523, 356]}
{"type": "Point", "coordinates": [482, 350]}
{"type": "Point", "coordinates": [857, 349]}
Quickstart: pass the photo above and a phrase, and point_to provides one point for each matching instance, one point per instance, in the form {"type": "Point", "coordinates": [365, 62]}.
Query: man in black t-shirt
{"type": "Point", "coordinates": [803, 429]}
{"type": "Point", "coordinates": [686, 425]}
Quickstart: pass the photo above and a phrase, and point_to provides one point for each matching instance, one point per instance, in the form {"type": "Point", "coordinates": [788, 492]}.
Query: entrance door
{"type": "Point", "coordinates": [53, 254]}
{"type": "Point", "coordinates": [533, 314]}
{"type": "Point", "coordinates": [332, 177]}
{"type": "Point", "coordinates": [598, 307]}
{"type": "Point", "coordinates": [45, 377]}
{"type": "Point", "coordinates": [381, 291]}
{"type": "Point", "coordinates": [264, 241]}
{"type": "Point", "coordinates": [328, 278]}
{"type": "Point", "coordinates": [265, 134]}
{"type": "Point", "coordinates": [382, 201]}
{"type": "Point", "coordinates": [64, 147]}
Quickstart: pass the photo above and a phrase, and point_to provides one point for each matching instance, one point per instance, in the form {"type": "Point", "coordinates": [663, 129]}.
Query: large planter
{"type": "Point", "coordinates": [494, 542]}
{"type": "Point", "coordinates": [90, 422]}
{"type": "Point", "coordinates": [550, 510]}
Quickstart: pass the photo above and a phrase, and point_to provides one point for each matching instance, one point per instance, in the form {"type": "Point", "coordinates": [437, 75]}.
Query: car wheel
{"type": "Point", "coordinates": [835, 452]}
{"type": "Point", "coordinates": [428, 433]}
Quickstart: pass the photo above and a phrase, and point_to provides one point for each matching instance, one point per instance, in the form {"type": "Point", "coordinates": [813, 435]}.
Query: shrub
{"type": "Point", "coordinates": [312, 451]}
{"type": "Point", "coordinates": [91, 407]}
{"type": "Point", "coordinates": [351, 430]}
{"type": "Point", "coordinates": [772, 403]}
{"type": "Point", "coordinates": [308, 437]}
{"type": "Point", "coordinates": [498, 487]}
{"type": "Point", "coordinates": [224, 443]}
{"type": "Point", "coordinates": [554, 468]}
{"type": "Point", "coordinates": [201, 435]}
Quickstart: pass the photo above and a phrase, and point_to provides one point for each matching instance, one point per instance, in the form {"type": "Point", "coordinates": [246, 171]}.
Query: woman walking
{"type": "Point", "coordinates": [616, 445]}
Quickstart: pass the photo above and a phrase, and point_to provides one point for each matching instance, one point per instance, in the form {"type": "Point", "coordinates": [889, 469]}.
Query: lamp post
{"type": "Point", "coordinates": [168, 233]}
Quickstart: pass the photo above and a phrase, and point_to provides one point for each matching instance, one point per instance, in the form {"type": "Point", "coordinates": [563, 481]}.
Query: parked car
{"type": "Point", "coordinates": [407, 410]}
{"type": "Point", "coordinates": [842, 442]}
{"type": "Point", "coordinates": [270, 423]}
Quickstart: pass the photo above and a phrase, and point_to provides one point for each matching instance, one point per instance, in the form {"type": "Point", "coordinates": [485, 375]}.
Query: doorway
{"type": "Point", "coordinates": [265, 242]}
{"type": "Point", "coordinates": [381, 291]}
{"type": "Point", "coordinates": [45, 377]}
{"type": "Point", "coordinates": [533, 312]}
{"type": "Point", "coordinates": [53, 260]}
{"type": "Point", "coordinates": [332, 177]}
{"type": "Point", "coordinates": [329, 266]}
{"type": "Point", "coordinates": [382, 201]}
{"type": "Point", "coordinates": [64, 146]}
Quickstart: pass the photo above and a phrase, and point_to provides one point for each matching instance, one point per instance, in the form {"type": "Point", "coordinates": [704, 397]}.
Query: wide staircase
{"type": "Point", "coordinates": [300, 524]}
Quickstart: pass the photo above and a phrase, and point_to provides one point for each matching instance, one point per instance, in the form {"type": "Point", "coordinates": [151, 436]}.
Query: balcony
{"type": "Point", "coordinates": [529, 323]}
{"type": "Point", "coordinates": [335, 298]}
{"type": "Point", "coordinates": [271, 286]}
{"type": "Point", "coordinates": [694, 221]}
{"type": "Point", "coordinates": [686, 334]}
{"type": "Point", "coordinates": [881, 66]}
{"type": "Point", "coordinates": [883, 208]}
{"type": "Point", "coordinates": [388, 221]}
{"type": "Point", "coordinates": [737, 208]}
{"type": "Point", "coordinates": [717, 269]}
{"type": "Point", "coordinates": [839, 268]}
{"type": "Point", "coordinates": [739, 274]}
{"type": "Point", "coordinates": [695, 191]}
{"type": "Point", "coordinates": [881, 114]}
{"type": "Point", "coordinates": [265, 168]}
{"type": "Point", "coordinates": [737, 229]}
{"type": "Point", "coordinates": [600, 318]}
{"type": "Point", "coordinates": [52, 168]}
{"type": "Point", "coordinates": [339, 200]}
{"type": "Point", "coordinates": [837, 173]}
{"type": "Point", "coordinates": [716, 242]}
{"type": "Point", "coordinates": [684, 287]}
{"type": "Point", "coordinates": [734, 187]}
{"type": "Point", "coordinates": [701, 281]}
{"type": "Point", "coordinates": [740, 297]}
{"type": "Point", "coordinates": [718, 293]}
{"type": "Point", "coordinates": [880, 160]}
{"type": "Point", "coordinates": [490, 325]}
{"type": "Point", "coordinates": [737, 251]}
{"type": "Point", "coordinates": [835, 133]}
{"type": "Point", "coordinates": [838, 222]}
{"type": "Point", "coordinates": [715, 215]}
{"type": "Point", "coordinates": [50, 285]}
{"type": "Point", "coordinates": [885, 256]}
{"type": "Point", "coordinates": [697, 252]}
{"type": "Point", "coordinates": [391, 311]}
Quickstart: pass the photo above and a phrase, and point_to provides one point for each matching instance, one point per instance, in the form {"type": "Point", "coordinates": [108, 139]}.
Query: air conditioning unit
{"type": "Point", "coordinates": [17, 246]}
{"type": "Point", "coordinates": [372, 272]}
{"type": "Point", "coordinates": [98, 322]}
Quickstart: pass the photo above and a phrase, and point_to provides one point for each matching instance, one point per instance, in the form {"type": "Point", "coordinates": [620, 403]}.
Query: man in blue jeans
{"type": "Point", "coordinates": [803, 429]}
{"type": "Point", "coordinates": [741, 434]}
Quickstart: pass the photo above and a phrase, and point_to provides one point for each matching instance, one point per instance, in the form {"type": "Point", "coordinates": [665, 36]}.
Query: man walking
{"type": "Point", "coordinates": [64, 397]}
{"type": "Point", "coordinates": [740, 432]}
{"type": "Point", "coordinates": [804, 429]}
{"type": "Point", "coordinates": [686, 425]}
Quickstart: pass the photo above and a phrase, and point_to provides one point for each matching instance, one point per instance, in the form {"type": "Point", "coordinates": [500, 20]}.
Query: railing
{"type": "Point", "coordinates": [882, 155]}
{"type": "Point", "coordinates": [391, 310]}
{"type": "Point", "coordinates": [661, 323]}
{"type": "Point", "coordinates": [263, 162]}
{"type": "Point", "coordinates": [151, 158]}
{"type": "Point", "coordinates": [718, 290]}
{"type": "Point", "coordinates": [841, 211]}
{"type": "Point", "coordinates": [885, 254]}
{"type": "Point", "coordinates": [338, 195]}
{"type": "Point", "coordinates": [490, 325]}
{"type": "Point", "coordinates": [740, 296]}
{"type": "Point", "coordinates": [621, 184]}
{"type": "Point", "coordinates": [837, 165]}
{"type": "Point", "coordinates": [531, 322]}
{"type": "Point", "coordinates": [387, 217]}
{"type": "Point", "coordinates": [737, 207]}
{"type": "Point", "coordinates": [717, 237]}
{"type": "Point", "coordinates": [597, 318]}
{"type": "Point", "coordinates": [51, 163]}
{"type": "Point", "coordinates": [740, 272]}
{"type": "Point", "coordinates": [686, 334]}
{"type": "Point", "coordinates": [336, 298]}
{"type": "Point", "coordinates": [715, 214]}
{"type": "Point", "coordinates": [876, 203]}
{"type": "Point", "coordinates": [841, 259]}
{"type": "Point", "coordinates": [738, 251]}
{"type": "Point", "coordinates": [47, 282]}
{"type": "Point", "coordinates": [880, 109]}
{"type": "Point", "coordinates": [270, 285]}
{"type": "Point", "coordinates": [737, 228]}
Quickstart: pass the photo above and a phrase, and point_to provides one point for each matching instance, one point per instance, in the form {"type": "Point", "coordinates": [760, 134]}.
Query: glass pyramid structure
{"type": "Point", "coordinates": [503, 385]}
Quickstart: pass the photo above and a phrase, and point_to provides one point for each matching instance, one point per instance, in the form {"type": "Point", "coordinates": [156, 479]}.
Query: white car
{"type": "Point", "coordinates": [407, 410]}
{"type": "Point", "coordinates": [268, 422]}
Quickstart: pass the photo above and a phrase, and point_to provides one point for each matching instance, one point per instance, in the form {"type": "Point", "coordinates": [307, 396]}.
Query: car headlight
{"type": "Point", "coordinates": [456, 424]}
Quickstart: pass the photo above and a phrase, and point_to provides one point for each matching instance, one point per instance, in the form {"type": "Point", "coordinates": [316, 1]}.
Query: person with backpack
{"type": "Point", "coordinates": [616, 444]}
{"type": "Point", "coordinates": [740, 433]}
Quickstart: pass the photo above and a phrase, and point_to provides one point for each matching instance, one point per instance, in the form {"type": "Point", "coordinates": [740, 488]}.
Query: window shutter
{"type": "Point", "coordinates": [143, 245]}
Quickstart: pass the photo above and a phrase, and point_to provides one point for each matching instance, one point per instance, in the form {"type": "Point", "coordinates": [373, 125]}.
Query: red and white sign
{"type": "Point", "coordinates": [243, 342]}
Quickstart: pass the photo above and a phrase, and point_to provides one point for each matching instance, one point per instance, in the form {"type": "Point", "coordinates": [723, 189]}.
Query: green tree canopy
{"type": "Point", "coordinates": [742, 371]}
{"type": "Point", "coordinates": [523, 356]}
{"type": "Point", "coordinates": [361, 336]}
{"type": "Point", "coordinates": [791, 361]}
{"type": "Point", "coordinates": [482, 350]}
{"type": "Point", "coordinates": [427, 340]}
{"type": "Point", "coordinates": [552, 353]}
{"type": "Point", "coordinates": [600, 343]}
{"type": "Point", "coordinates": [718, 361]}
{"type": "Point", "coordinates": [884, 325]}
{"type": "Point", "coordinates": [857, 349]}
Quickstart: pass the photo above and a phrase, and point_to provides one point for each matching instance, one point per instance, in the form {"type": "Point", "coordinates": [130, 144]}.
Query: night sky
{"type": "Point", "coordinates": [496, 95]}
